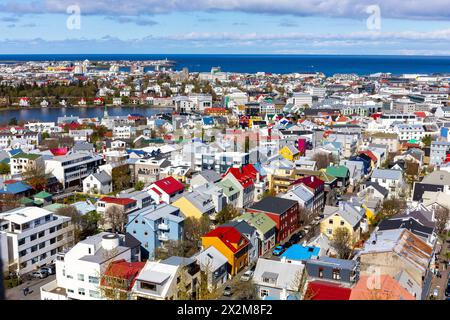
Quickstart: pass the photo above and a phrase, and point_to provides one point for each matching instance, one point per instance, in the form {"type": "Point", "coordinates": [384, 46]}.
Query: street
{"type": "Point", "coordinates": [442, 281]}
{"type": "Point", "coordinates": [16, 293]}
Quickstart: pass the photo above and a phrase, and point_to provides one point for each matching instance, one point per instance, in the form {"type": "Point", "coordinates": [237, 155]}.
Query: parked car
{"type": "Point", "coordinates": [278, 250]}
{"type": "Point", "coordinates": [39, 274]}
{"type": "Point", "coordinates": [227, 292]}
{"type": "Point", "coordinates": [447, 290]}
{"type": "Point", "coordinates": [302, 233]}
{"type": "Point", "coordinates": [295, 238]}
{"type": "Point", "coordinates": [49, 269]}
{"type": "Point", "coordinates": [247, 275]}
{"type": "Point", "coordinates": [436, 292]}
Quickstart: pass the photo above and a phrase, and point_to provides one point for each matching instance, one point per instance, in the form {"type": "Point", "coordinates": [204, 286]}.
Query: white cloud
{"type": "Point", "coordinates": [411, 9]}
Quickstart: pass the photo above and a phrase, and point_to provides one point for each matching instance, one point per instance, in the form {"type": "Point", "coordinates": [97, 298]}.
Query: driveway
{"type": "Point", "coordinates": [16, 293]}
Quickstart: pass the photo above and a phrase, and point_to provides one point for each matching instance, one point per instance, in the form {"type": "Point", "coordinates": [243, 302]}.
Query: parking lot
{"type": "Point", "coordinates": [34, 285]}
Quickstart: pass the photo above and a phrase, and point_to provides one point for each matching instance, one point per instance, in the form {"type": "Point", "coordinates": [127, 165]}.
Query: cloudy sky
{"type": "Point", "coordinates": [406, 27]}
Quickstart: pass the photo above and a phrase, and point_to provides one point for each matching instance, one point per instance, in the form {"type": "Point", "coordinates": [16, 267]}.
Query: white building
{"type": "Point", "coordinates": [23, 162]}
{"type": "Point", "coordinates": [123, 132]}
{"type": "Point", "coordinates": [98, 183]}
{"type": "Point", "coordinates": [410, 131]}
{"type": "Point", "coordinates": [73, 168]}
{"type": "Point", "coordinates": [35, 236]}
{"type": "Point", "coordinates": [79, 270]}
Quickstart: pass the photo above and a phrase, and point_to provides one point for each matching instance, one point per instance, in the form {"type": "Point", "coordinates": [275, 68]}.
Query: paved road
{"type": "Point", "coordinates": [16, 293]}
{"type": "Point", "coordinates": [441, 282]}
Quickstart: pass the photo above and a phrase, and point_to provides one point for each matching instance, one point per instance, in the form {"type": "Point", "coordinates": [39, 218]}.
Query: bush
{"type": "Point", "coordinates": [12, 282]}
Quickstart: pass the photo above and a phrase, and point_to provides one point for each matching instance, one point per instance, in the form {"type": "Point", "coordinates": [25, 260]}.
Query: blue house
{"type": "Point", "coordinates": [155, 225]}
{"type": "Point", "coordinates": [300, 253]}
{"type": "Point", "coordinates": [365, 160]}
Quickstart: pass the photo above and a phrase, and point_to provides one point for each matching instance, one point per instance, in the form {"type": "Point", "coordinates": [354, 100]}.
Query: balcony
{"type": "Point", "coordinates": [163, 226]}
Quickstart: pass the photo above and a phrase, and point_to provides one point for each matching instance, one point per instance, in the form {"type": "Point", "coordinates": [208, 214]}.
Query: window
{"type": "Point", "coordinates": [93, 280]}
{"type": "Point", "coordinates": [52, 229]}
{"type": "Point", "coordinates": [21, 242]}
{"type": "Point", "coordinates": [330, 231]}
{"type": "Point", "coordinates": [330, 221]}
{"type": "Point", "coordinates": [69, 276]}
{"type": "Point", "coordinates": [41, 245]}
{"type": "Point", "coordinates": [148, 286]}
{"type": "Point", "coordinates": [81, 292]}
{"type": "Point", "coordinates": [64, 272]}
{"type": "Point", "coordinates": [146, 233]}
{"type": "Point", "coordinates": [22, 253]}
{"type": "Point", "coordinates": [41, 234]}
{"type": "Point", "coordinates": [33, 237]}
{"type": "Point", "coordinates": [264, 293]}
{"type": "Point", "coordinates": [336, 274]}
{"type": "Point", "coordinates": [70, 290]}
{"type": "Point", "coordinates": [47, 218]}
{"type": "Point", "coordinates": [342, 222]}
{"type": "Point", "coordinates": [320, 272]}
{"type": "Point", "coordinates": [52, 241]}
{"type": "Point", "coordinates": [80, 277]}
{"type": "Point", "coordinates": [34, 248]}
{"type": "Point", "coordinates": [94, 294]}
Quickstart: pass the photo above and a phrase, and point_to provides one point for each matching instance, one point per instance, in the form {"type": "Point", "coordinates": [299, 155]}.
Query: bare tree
{"type": "Point", "coordinates": [299, 282]}
{"type": "Point", "coordinates": [75, 216]}
{"type": "Point", "coordinates": [441, 215]}
{"type": "Point", "coordinates": [322, 159]}
{"type": "Point", "coordinates": [342, 242]}
{"type": "Point", "coordinates": [35, 176]}
{"type": "Point", "coordinates": [116, 218]}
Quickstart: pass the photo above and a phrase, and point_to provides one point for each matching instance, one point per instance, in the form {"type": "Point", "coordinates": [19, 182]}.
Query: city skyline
{"type": "Point", "coordinates": [244, 27]}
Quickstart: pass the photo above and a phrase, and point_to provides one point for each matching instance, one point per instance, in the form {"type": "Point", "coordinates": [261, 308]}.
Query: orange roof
{"type": "Point", "coordinates": [124, 270]}
{"type": "Point", "coordinates": [383, 288]}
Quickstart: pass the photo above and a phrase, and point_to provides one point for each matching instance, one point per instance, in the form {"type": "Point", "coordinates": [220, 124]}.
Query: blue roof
{"type": "Point", "coordinates": [208, 121]}
{"type": "Point", "coordinates": [159, 122]}
{"type": "Point", "coordinates": [138, 152]}
{"type": "Point", "coordinates": [298, 252]}
{"type": "Point", "coordinates": [260, 169]}
{"type": "Point", "coordinates": [15, 188]}
{"type": "Point", "coordinates": [13, 152]}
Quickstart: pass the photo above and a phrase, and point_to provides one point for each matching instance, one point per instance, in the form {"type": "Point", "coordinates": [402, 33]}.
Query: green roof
{"type": "Point", "coordinates": [338, 172]}
{"type": "Point", "coordinates": [25, 200]}
{"type": "Point", "coordinates": [29, 156]}
{"type": "Point", "coordinates": [54, 207]}
{"type": "Point", "coordinates": [260, 221]}
{"type": "Point", "coordinates": [42, 195]}
{"type": "Point", "coordinates": [229, 188]}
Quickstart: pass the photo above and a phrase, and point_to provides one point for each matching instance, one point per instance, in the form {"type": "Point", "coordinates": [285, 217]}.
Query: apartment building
{"type": "Point", "coordinates": [23, 162]}
{"type": "Point", "coordinates": [35, 236]}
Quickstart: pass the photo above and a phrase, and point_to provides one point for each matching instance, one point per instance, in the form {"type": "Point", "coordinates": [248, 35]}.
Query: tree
{"type": "Point", "coordinates": [226, 214]}
{"type": "Point", "coordinates": [139, 185]}
{"type": "Point", "coordinates": [116, 218]}
{"type": "Point", "coordinates": [8, 202]}
{"type": "Point", "coordinates": [322, 159]}
{"type": "Point", "coordinates": [392, 206]}
{"type": "Point", "coordinates": [244, 290]}
{"type": "Point", "coordinates": [89, 223]}
{"type": "Point", "coordinates": [299, 282]}
{"type": "Point", "coordinates": [441, 215]}
{"type": "Point", "coordinates": [426, 140]}
{"type": "Point", "coordinates": [45, 135]}
{"type": "Point", "coordinates": [121, 177]}
{"type": "Point", "coordinates": [5, 168]}
{"type": "Point", "coordinates": [341, 242]}
{"type": "Point", "coordinates": [304, 215]}
{"type": "Point", "coordinates": [35, 176]}
{"type": "Point", "coordinates": [113, 285]}
{"type": "Point", "coordinates": [75, 216]}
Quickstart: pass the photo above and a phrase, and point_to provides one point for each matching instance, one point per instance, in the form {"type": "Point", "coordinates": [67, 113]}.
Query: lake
{"type": "Point", "coordinates": [52, 114]}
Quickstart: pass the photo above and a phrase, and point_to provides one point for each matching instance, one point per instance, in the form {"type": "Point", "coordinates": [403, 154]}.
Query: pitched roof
{"type": "Point", "coordinates": [387, 174]}
{"type": "Point", "coordinates": [321, 290]}
{"type": "Point", "coordinates": [383, 288]}
{"type": "Point", "coordinates": [170, 185]}
{"type": "Point", "coordinates": [119, 201]}
{"type": "Point", "coordinates": [337, 171]}
{"type": "Point", "coordinates": [229, 236]}
{"type": "Point", "coordinates": [260, 221]}
{"type": "Point", "coordinates": [246, 180]}
{"type": "Point", "coordinates": [274, 205]}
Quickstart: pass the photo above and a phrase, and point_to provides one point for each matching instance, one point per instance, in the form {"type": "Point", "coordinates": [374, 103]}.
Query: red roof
{"type": "Point", "coordinates": [245, 179]}
{"type": "Point", "coordinates": [119, 201]}
{"type": "Point", "coordinates": [311, 182]}
{"type": "Point", "coordinates": [156, 191]}
{"type": "Point", "coordinates": [124, 270]}
{"type": "Point", "coordinates": [250, 170]}
{"type": "Point", "coordinates": [319, 290]}
{"type": "Point", "coordinates": [420, 114]}
{"type": "Point", "coordinates": [170, 185]}
{"type": "Point", "coordinates": [370, 155]}
{"type": "Point", "coordinates": [10, 181]}
{"type": "Point", "coordinates": [229, 235]}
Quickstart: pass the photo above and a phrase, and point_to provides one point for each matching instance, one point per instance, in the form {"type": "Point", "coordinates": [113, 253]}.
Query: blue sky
{"type": "Point", "coordinates": [226, 26]}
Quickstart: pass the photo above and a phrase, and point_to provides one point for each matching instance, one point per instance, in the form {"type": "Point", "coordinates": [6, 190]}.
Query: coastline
{"type": "Point", "coordinates": [14, 108]}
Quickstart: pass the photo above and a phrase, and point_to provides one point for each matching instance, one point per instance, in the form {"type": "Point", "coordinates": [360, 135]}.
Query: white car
{"type": "Point", "coordinates": [247, 275]}
{"type": "Point", "coordinates": [436, 292]}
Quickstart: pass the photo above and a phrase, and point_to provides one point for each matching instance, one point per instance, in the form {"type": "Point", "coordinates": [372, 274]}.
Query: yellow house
{"type": "Point", "coordinates": [195, 204]}
{"type": "Point", "coordinates": [232, 244]}
{"type": "Point", "coordinates": [290, 152]}
{"type": "Point", "coordinates": [344, 216]}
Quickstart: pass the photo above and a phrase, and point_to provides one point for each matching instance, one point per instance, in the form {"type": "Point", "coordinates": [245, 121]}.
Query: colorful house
{"type": "Point", "coordinates": [232, 244]}
{"type": "Point", "coordinates": [290, 152]}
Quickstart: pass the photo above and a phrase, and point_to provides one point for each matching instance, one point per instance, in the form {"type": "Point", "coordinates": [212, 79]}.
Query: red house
{"type": "Point", "coordinates": [166, 190]}
{"type": "Point", "coordinates": [284, 212]}
{"type": "Point", "coordinates": [317, 186]}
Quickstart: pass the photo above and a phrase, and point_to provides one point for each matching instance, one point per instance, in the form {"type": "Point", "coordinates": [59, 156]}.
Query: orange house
{"type": "Point", "coordinates": [232, 244]}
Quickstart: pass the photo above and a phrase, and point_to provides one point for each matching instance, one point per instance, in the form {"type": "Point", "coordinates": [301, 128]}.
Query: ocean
{"type": "Point", "coordinates": [245, 63]}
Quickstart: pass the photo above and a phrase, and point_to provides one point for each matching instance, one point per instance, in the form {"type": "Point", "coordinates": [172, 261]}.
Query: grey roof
{"type": "Point", "coordinates": [273, 205]}
{"type": "Point", "coordinates": [154, 276]}
{"type": "Point", "coordinates": [155, 212]}
{"type": "Point", "coordinates": [203, 202]}
{"type": "Point", "coordinates": [178, 261]}
{"type": "Point", "coordinates": [242, 226]}
{"type": "Point", "coordinates": [334, 262]}
{"type": "Point", "coordinates": [103, 177]}
{"type": "Point", "coordinates": [83, 146]}
{"type": "Point", "coordinates": [210, 258]}
{"type": "Point", "coordinates": [377, 187]}
{"type": "Point", "coordinates": [210, 175]}
{"type": "Point", "coordinates": [387, 174]}
{"type": "Point", "coordinates": [350, 212]}
{"type": "Point", "coordinates": [285, 273]}
{"type": "Point", "coordinates": [437, 177]}
{"type": "Point", "coordinates": [301, 192]}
